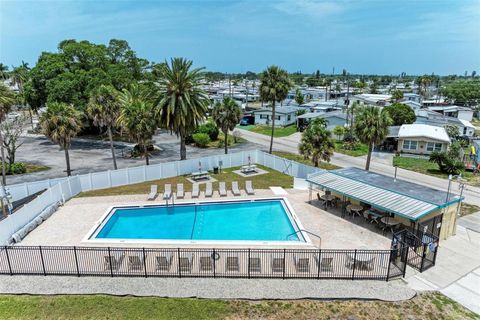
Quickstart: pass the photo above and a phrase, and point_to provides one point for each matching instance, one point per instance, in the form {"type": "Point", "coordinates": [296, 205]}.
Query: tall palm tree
{"type": "Point", "coordinates": [371, 127]}
{"type": "Point", "coordinates": [104, 109]}
{"type": "Point", "coordinates": [182, 103]}
{"type": "Point", "coordinates": [316, 142]}
{"type": "Point", "coordinates": [61, 123]}
{"type": "Point", "coordinates": [7, 100]}
{"type": "Point", "coordinates": [274, 87]}
{"type": "Point", "coordinates": [226, 115]}
{"type": "Point", "coordinates": [138, 118]}
{"type": "Point", "coordinates": [3, 72]}
{"type": "Point", "coordinates": [19, 76]}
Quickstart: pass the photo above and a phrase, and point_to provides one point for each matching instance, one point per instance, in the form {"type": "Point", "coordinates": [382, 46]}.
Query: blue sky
{"type": "Point", "coordinates": [378, 36]}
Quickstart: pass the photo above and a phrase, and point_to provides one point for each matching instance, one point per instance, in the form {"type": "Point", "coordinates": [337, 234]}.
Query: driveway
{"type": "Point", "coordinates": [379, 164]}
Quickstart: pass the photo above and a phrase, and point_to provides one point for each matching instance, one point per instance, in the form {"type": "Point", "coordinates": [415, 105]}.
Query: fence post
{"type": "Point", "coordinates": [248, 263]}
{"type": "Point", "coordinates": [319, 262]}
{"type": "Point", "coordinates": [109, 175]}
{"type": "Point", "coordinates": [144, 173]}
{"type": "Point", "coordinates": [284, 262]}
{"type": "Point", "coordinates": [214, 263]}
{"type": "Point", "coordinates": [90, 180]}
{"type": "Point", "coordinates": [354, 263]}
{"type": "Point", "coordinates": [8, 261]}
{"type": "Point", "coordinates": [43, 262]}
{"type": "Point", "coordinates": [76, 260]}
{"type": "Point", "coordinates": [110, 262]}
{"type": "Point", "coordinates": [389, 261]}
{"type": "Point", "coordinates": [144, 262]}
{"type": "Point", "coordinates": [405, 263]}
{"type": "Point", "coordinates": [179, 269]}
{"type": "Point", "coordinates": [423, 257]}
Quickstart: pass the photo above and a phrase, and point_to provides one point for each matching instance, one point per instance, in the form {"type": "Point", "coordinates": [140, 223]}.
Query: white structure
{"type": "Point", "coordinates": [462, 113]}
{"type": "Point", "coordinates": [284, 116]}
{"type": "Point", "coordinates": [422, 139]}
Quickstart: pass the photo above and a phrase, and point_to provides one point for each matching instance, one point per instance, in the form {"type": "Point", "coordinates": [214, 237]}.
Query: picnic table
{"type": "Point", "coordinates": [355, 209]}
{"type": "Point", "coordinates": [249, 168]}
{"type": "Point", "coordinates": [199, 175]}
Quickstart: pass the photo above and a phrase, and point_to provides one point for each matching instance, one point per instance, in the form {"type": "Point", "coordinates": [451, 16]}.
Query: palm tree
{"type": "Point", "coordinates": [61, 122]}
{"type": "Point", "coordinates": [7, 100]}
{"type": "Point", "coordinates": [316, 142]}
{"type": "Point", "coordinates": [104, 109]}
{"type": "Point", "coordinates": [3, 72]}
{"type": "Point", "coordinates": [138, 118]}
{"type": "Point", "coordinates": [182, 103]}
{"type": "Point", "coordinates": [371, 127]}
{"type": "Point", "coordinates": [226, 115]}
{"type": "Point", "coordinates": [19, 76]}
{"type": "Point", "coordinates": [274, 87]}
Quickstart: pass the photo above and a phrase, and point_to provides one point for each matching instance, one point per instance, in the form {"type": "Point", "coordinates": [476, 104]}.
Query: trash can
{"type": "Point", "coordinates": [215, 170]}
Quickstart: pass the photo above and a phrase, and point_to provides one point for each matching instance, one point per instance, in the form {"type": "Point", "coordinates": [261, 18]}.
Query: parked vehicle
{"type": "Point", "coordinates": [247, 120]}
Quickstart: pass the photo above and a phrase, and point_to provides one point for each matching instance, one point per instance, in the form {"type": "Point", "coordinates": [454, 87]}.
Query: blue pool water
{"type": "Point", "coordinates": [265, 220]}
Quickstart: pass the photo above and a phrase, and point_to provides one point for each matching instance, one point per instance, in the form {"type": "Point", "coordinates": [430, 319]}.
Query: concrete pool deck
{"type": "Point", "coordinates": [210, 288]}
{"type": "Point", "coordinates": [73, 221]}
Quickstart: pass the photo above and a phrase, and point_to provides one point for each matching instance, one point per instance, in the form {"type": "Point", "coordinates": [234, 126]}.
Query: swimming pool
{"type": "Point", "coordinates": [246, 220]}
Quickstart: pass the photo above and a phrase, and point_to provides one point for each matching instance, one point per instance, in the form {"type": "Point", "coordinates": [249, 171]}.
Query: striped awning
{"type": "Point", "coordinates": [380, 198]}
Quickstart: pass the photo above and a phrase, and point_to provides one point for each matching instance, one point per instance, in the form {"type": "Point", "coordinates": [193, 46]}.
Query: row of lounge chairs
{"type": "Point", "coordinates": [163, 263]}
{"type": "Point", "coordinates": [180, 193]}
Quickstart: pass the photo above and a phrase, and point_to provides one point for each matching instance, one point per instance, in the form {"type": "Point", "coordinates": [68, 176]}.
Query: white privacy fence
{"type": "Point", "coordinates": [62, 189]}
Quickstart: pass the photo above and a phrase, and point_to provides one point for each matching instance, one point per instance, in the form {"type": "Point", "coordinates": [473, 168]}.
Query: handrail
{"type": "Point", "coordinates": [309, 232]}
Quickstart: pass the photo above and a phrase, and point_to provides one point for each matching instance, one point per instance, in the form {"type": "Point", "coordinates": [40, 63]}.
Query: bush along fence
{"type": "Point", "coordinates": [210, 263]}
{"type": "Point", "coordinates": [62, 189]}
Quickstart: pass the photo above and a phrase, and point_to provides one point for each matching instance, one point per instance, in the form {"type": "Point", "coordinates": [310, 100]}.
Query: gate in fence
{"type": "Point", "coordinates": [420, 248]}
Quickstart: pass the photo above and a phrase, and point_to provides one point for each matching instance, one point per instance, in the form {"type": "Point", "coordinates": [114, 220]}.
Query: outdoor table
{"type": "Point", "coordinates": [249, 168]}
{"type": "Point", "coordinates": [327, 198]}
{"type": "Point", "coordinates": [389, 223]}
{"type": "Point", "coordinates": [376, 215]}
{"type": "Point", "coordinates": [355, 209]}
{"type": "Point", "coordinates": [199, 175]}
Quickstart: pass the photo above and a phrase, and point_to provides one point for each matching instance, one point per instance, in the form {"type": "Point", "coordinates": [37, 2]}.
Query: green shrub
{"type": "Point", "coordinates": [209, 128]}
{"type": "Point", "coordinates": [16, 168]}
{"type": "Point", "coordinates": [201, 139]}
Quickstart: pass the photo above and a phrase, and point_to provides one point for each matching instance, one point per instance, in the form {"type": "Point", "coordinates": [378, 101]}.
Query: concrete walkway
{"type": "Point", "coordinates": [254, 289]}
{"type": "Point", "coordinates": [379, 165]}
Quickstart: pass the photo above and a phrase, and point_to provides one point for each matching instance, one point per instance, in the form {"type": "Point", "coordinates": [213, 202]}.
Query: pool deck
{"type": "Point", "coordinates": [73, 221]}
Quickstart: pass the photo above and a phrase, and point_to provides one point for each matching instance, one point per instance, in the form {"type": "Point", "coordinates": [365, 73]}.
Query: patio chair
{"type": "Point", "coordinates": [208, 189]}
{"type": "Point", "coordinates": [254, 264]}
{"type": "Point", "coordinates": [302, 264]}
{"type": "Point", "coordinates": [186, 262]}
{"type": "Point", "coordinates": [249, 187]}
{"type": "Point", "coordinates": [231, 264]}
{"type": "Point", "coordinates": [235, 189]}
{"type": "Point", "coordinates": [195, 190]}
{"type": "Point", "coordinates": [323, 203]}
{"type": "Point", "coordinates": [222, 189]}
{"type": "Point", "coordinates": [163, 262]}
{"type": "Point", "coordinates": [367, 216]}
{"type": "Point", "coordinates": [168, 192]}
{"type": "Point", "coordinates": [349, 262]}
{"type": "Point", "coordinates": [135, 263]}
{"type": "Point", "coordinates": [278, 264]}
{"type": "Point", "coordinates": [180, 192]}
{"type": "Point", "coordinates": [153, 192]}
{"type": "Point", "coordinates": [113, 263]}
{"type": "Point", "coordinates": [206, 263]}
{"type": "Point", "coordinates": [325, 264]}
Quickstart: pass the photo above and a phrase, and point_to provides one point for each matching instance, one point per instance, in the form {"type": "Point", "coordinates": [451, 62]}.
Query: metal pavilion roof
{"type": "Point", "coordinates": [381, 198]}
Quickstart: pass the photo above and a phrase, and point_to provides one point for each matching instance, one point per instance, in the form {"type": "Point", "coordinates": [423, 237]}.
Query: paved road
{"type": "Point", "coordinates": [380, 164]}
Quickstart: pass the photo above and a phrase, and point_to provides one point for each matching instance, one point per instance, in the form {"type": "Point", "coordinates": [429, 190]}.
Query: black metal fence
{"type": "Point", "coordinates": [216, 263]}
{"type": "Point", "coordinates": [421, 247]}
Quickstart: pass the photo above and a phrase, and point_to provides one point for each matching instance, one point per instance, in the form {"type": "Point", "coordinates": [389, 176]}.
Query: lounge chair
{"type": "Point", "coordinates": [195, 190]}
{"type": "Point", "coordinates": [164, 262]}
{"type": "Point", "coordinates": [222, 190]}
{"type": "Point", "coordinates": [208, 189]}
{"type": "Point", "coordinates": [249, 187]}
{"type": "Point", "coordinates": [135, 263]}
{"type": "Point", "coordinates": [302, 264]}
{"type": "Point", "coordinates": [231, 264]}
{"type": "Point", "coordinates": [115, 262]}
{"type": "Point", "coordinates": [325, 264]}
{"type": "Point", "coordinates": [255, 264]}
{"type": "Point", "coordinates": [278, 264]}
{"type": "Point", "coordinates": [153, 192]}
{"type": "Point", "coordinates": [168, 192]}
{"type": "Point", "coordinates": [186, 262]}
{"type": "Point", "coordinates": [235, 189]}
{"type": "Point", "coordinates": [180, 192]}
{"type": "Point", "coordinates": [206, 263]}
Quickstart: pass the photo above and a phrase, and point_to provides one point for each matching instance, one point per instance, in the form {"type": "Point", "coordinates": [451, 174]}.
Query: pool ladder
{"type": "Point", "coordinates": [317, 243]}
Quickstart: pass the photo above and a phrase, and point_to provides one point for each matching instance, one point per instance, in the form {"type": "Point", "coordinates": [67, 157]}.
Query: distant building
{"type": "Point", "coordinates": [372, 99]}
{"type": "Point", "coordinates": [426, 116]}
{"type": "Point", "coordinates": [284, 116]}
{"type": "Point", "coordinates": [459, 112]}
{"type": "Point", "coordinates": [335, 118]}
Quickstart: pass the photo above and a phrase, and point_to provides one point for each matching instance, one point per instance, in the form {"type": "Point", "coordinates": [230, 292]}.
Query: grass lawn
{"type": "Point", "coordinates": [423, 306]}
{"type": "Point", "coordinates": [430, 168]}
{"type": "Point", "coordinates": [361, 150]}
{"type": "Point", "coordinates": [263, 181]}
{"type": "Point", "coordinates": [300, 159]}
{"type": "Point", "coordinates": [32, 167]}
{"type": "Point", "coordinates": [267, 130]}
{"type": "Point", "coordinates": [221, 137]}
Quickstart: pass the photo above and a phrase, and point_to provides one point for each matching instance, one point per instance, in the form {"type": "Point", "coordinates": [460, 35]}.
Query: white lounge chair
{"type": "Point", "coordinates": [249, 187]}
{"type": "Point", "coordinates": [180, 191]}
{"type": "Point", "coordinates": [235, 189]}
{"type": "Point", "coordinates": [208, 189]}
{"type": "Point", "coordinates": [168, 192]}
{"type": "Point", "coordinates": [153, 192]}
{"type": "Point", "coordinates": [195, 190]}
{"type": "Point", "coordinates": [222, 190]}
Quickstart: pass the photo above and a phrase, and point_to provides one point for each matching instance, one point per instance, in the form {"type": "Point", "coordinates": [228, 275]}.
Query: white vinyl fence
{"type": "Point", "coordinates": [62, 189]}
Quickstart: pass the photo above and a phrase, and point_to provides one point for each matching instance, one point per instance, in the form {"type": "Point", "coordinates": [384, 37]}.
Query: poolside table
{"type": "Point", "coordinates": [389, 223]}
{"type": "Point", "coordinates": [328, 198]}
{"type": "Point", "coordinates": [355, 209]}
{"type": "Point", "coordinates": [199, 175]}
{"type": "Point", "coordinates": [249, 168]}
